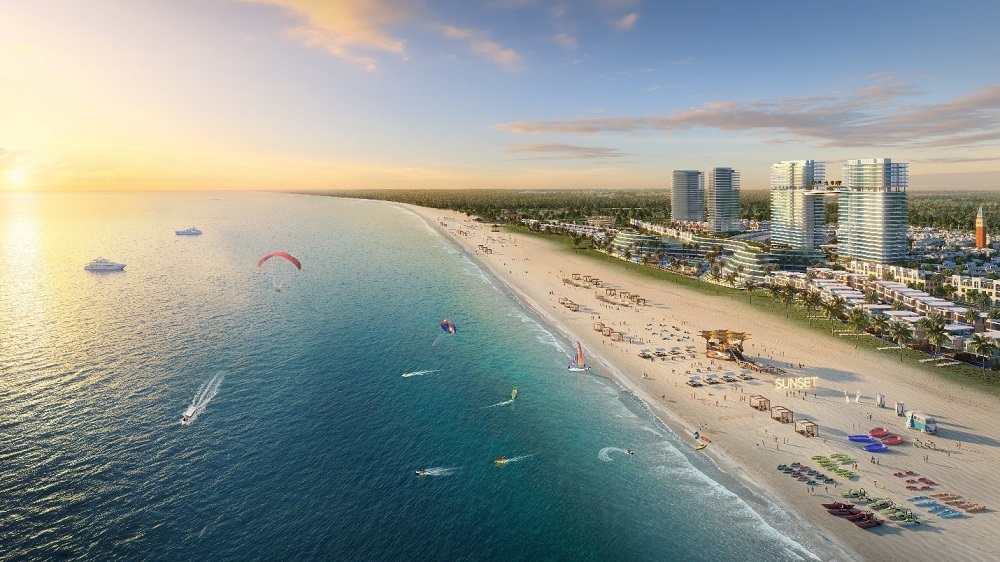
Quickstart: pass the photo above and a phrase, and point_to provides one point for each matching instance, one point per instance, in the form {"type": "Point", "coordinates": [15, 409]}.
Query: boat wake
{"type": "Point", "coordinates": [205, 394]}
{"type": "Point", "coordinates": [520, 458]}
{"type": "Point", "coordinates": [504, 403]}
{"type": "Point", "coordinates": [440, 471]}
{"type": "Point", "coordinates": [419, 373]}
{"type": "Point", "coordinates": [605, 453]}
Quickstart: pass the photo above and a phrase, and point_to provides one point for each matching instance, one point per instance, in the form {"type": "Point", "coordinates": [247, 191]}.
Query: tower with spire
{"type": "Point", "coordinates": [980, 228]}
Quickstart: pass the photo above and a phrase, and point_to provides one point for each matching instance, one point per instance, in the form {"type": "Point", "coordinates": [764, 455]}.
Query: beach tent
{"type": "Point", "coordinates": [807, 428]}
{"type": "Point", "coordinates": [759, 402]}
{"type": "Point", "coordinates": [782, 414]}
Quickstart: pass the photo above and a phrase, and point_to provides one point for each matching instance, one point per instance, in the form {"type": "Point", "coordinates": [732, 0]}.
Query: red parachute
{"type": "Point", "coordinates": [285, 255]}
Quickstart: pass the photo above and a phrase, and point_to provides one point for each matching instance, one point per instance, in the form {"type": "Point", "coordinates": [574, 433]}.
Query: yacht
{"type": "Point", "coordinates": [188, 232]}
{"type": "Point", "coordinates": [101, 264]}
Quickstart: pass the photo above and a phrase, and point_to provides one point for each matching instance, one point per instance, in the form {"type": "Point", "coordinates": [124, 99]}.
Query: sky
{"type": "Point", "coordinates": [526, 94]}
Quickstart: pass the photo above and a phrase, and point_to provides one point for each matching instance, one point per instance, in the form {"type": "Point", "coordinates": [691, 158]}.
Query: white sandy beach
{"type": "Point", "coordinates": [746, 441]}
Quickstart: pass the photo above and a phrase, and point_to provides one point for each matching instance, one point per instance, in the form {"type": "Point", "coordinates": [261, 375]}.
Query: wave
{"type": "Point", "coordinates": [420, 373]}
{"type": "Point", "coordinates": [501, 404]}
{"type": "Point", "coordinates": [440, 471]}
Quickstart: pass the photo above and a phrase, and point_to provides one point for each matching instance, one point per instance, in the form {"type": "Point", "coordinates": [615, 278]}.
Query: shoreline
{"type": "Point", "coordinates": [741, 436]}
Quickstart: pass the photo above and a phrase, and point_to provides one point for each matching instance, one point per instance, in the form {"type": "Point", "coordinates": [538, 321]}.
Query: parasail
{"type": "Point", "coordinates": [448, 326]}
{"type": "Point", "coordinates": [291, 259]}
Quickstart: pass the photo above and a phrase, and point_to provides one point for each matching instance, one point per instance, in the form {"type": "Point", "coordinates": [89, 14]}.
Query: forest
{"type": "Point", "coordinates": [953, 210]}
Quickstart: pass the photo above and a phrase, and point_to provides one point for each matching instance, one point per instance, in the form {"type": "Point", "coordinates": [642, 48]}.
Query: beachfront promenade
{"type": "Point", "coordinates": [657, 349]}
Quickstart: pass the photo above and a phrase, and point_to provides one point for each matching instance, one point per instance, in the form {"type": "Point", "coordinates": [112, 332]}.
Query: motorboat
{"type": "Point", "coordinates": [501, 461]}
{"type": "Point", "coordinates": [188, 232]}
{"type": "Point", "coordinates": [421, 472]}
{"type": "Point", "coordinates": [188, 416]}
{"type": "Point", "coordinates": [101, 264]}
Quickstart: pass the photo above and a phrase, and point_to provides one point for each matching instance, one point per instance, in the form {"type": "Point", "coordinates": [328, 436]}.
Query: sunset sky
{"type": "Point", "coordinates": [327, 94]}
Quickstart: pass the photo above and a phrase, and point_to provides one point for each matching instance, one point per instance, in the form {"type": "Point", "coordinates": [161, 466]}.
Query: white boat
{"type": "Point", "coordinates": [101, 264]}
{"type": "Point", "coordinates": [578, 364]}
{"type": "Point", "coordinates": [188, 416]}
{"type": "Point", "coordinates": [188, 232]}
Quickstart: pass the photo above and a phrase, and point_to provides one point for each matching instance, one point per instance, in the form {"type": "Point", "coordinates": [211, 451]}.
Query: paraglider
{"type": "Point", "coordinates": [274, 274]}
{"type": "Point", "coordinates": [448, 326]}
{"type": "Point", "coordinates": [291, 259]}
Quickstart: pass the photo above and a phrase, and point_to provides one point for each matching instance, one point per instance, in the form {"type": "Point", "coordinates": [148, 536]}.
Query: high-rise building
{"type": "Point", "coordinates": [874, 211]}
{"type": "Point", "coordinates": [797, 207]}
{"type": "Point", "coordinates": [687, 196]}
{"type": "Point", "coordinates": [980, 228]}
{"type": "Point", "coordinates": [722, 199]}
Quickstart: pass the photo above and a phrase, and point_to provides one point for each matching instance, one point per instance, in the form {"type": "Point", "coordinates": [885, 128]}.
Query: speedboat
{"type": "Point", "coordinates": [188, 416]}
{"type": "Point", "coordinates": [501, 461]}
{"type": "Point", "coordinates": [421, 472]}
{"type": "Point", "coordinates": [101, 264]}
{"type": "Point", "coordinates": [407, 374]}
{"type": "Point", "coordinates": [188, 232]}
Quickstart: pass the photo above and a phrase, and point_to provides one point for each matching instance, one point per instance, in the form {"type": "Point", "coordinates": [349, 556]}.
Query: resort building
{"type": "Point", "coordinates": [687, 196]}
{"type": "Point", "coordinates": [980, 228]}
{"type": "Point", "coordinates": [797, 207]}
{"type": "Point", "coordinates": [874, 212]}
{"type": "Point", "coordinates": [722, 199]}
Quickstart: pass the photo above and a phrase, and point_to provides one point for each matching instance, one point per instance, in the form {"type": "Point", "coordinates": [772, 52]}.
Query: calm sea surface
{"type": "Point", "coordinates": [308, 450]}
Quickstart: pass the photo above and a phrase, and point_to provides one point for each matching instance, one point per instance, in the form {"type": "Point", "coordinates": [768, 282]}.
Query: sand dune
{"type": "Point", "coordinates": [747, 441]}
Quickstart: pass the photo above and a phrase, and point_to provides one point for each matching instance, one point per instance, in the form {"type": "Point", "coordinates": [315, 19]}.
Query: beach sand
{"type": "Point", "coordinates": [747, 443]}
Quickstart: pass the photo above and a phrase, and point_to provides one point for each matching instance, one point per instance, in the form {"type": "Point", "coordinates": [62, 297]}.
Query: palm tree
{"type": "Point", "coordinates": [787, 297]}
{"type": "Point", "coordinates": [750, 286]}
{"type": "Point", "coordinates": [715, 274]}
{"type": "Point", "coordinates": [983, 346]}
{"type": "Point", "coordinates": [880, 324]}
{"type": "Point", "coordinates": [835, 307]}
{"type": "Point", "coordinates": [936, 335]}
{"type": "Point", "coordinates": [730, 278]}
{"type": "Point", "coordinates": [811, 300]}
{"type": "Point", "coordinates": [902, 334]}
{"type": "Point", "coordinates": [858, 319]}
{"type": "Point", "coordinates": [871, 297]}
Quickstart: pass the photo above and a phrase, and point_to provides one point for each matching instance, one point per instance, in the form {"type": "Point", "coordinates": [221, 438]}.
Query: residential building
{"type": "Point", "coordinates": [722, 200]}
{"type": "Point", "coordinates": [687, 196]}
{"type": "Point", "coordinates": [874, 211]}
{"type": "Point", "coordinates": [797, 206]}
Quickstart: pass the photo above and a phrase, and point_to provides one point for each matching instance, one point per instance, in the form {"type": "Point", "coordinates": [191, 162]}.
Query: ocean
{"type": "Point", "coordinates": [308, 449]}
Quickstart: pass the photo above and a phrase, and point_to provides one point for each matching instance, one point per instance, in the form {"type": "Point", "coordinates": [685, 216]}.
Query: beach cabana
{"type": "Point", "coordinates": [807, 428]}
{"type": "Point", "coordinates": [587, 278]}
{"type": "Point", "coordinates": [758, 402]}
{"type": "Point", "coordinates": [574, 307]}
{"type": "Point", "coordinates": [782, 414]}
{"type": "Point", "coordinates": [575, 276]}
{"type": "Point", "coordinates": [610, 291]}
{"type": "Point", "coordinates": [616, 336]}
{"type": "Point", "coordinates": [623, 294]}
{"type": "Point", "coordinates": [607, 331]}
{"type": "Point", "coordinates": [598, 326]}
{"type": "Point", "coordinates": [597, 282]}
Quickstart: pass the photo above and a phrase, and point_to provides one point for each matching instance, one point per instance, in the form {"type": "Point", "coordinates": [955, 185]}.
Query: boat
{"type": "Point", "coordinates": [893, 440]}
{"type": "Point", "coordinates": [101, 264]}
{"type": "Point", "coordinates": [878, 432]}
{"type": "Point", "coordinates": [188, 232]}
{"type": "Point", "coordinates": [421, 472]}
{"type": "Point", "coordinates": [876, 448]}
{"type": "Point", "coordinates": [513, 393]}
{"type": "Point", "coordinates": [578, 364]}
{"type": "Point", "coordinates": [408, 374]}
{"type": "Point", "coordinates": [701, 446]}
{"type": "Point", "coordinates": [861, 438]}
{"type": "Point", "coordinates": [188, 416]}
{"type": "Point", "coordinates": [501, 461]}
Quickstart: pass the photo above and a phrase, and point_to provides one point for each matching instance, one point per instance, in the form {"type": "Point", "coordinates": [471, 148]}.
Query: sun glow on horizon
{"type": "Point", "coordinates": [16, 178]}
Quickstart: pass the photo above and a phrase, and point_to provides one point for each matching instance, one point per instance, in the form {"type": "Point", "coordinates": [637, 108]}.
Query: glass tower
{"type": "Point", "coordinates": [874, 211]}
{"type": "Point", "coordinates": [722, 198]}
{"type": "Point", "coordinates": [687, 196]}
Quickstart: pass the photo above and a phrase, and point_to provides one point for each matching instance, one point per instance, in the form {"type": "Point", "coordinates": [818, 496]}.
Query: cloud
{"type": "Point", "coordinates": [566, 41]}
{"type": "Point", "coordinates": [480, 44]}
{"type": "Point", "coordinates": [956, 160]}
{"type": "Point", "coordinates": [627, 22]}
{"type": "Point", "coordinates": [511, 4]}
{"type": "Point", "coordinates": [566, 151]}
{"type": "Point", "coordinates": [871, 116]}
{"type": "Point", "coordinates": [351, 30]}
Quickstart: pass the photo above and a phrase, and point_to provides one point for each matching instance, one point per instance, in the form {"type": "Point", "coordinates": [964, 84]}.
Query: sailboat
{"type": "Point", "coordinates": [578, 364]}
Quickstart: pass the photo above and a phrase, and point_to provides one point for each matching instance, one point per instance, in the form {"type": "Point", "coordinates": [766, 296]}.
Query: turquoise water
{"type": "Point", "coordinates": [308, 450]}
